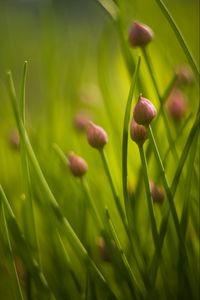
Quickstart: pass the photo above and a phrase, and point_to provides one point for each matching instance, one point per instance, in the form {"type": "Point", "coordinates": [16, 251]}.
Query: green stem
{"type": "Point", "coordinates": [166, 185]}
{"type": "Point", "coordinates": [23, 248]}
{"type": "Point", "coordinates": [93, 208]}
{"type": "Point", "coordinates": [73, 239]}
{"type": "Point", "coordinates": [166, 122]}
{"type": "Point", "coordinates": [125, 144]}
{"type": "Point", "coordinates": [149, 198]}
{"type": "Point", "coordinates": [179, 36]}
{"type": "Point", "coordinates": [18, 286]}
{"type": "Point", "coordinates": [112, 186]}
{"type": "Point", "coordinates": [132, 276]}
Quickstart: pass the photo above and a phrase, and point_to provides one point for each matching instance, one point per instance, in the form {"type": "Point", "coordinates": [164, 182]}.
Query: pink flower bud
{"type": "Point", "coordinates": [144, 111]}
{"type": "Point", "coordinates": [77, 165]}
{"type": "Point", "coordinates": [81, 120]}
{"type": "Point", "coordinates": [14, 139]}
{"type": "Point", "coordinates": [184, 75]}
{"type": "Point", "coordinates": [157, 193]}
{"type": "Point", "coordinates": [138, 133]}
{"type": "Point", "coordinates": [96, 135]}
{"type": "Point", "coordinates": [140, 35]}
{"type": "Point", "coordinates": [177, 105]}
{"type": "Point", "coordinates": [103, 251]}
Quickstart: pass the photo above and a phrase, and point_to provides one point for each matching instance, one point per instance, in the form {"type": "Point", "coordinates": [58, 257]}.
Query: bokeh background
{"type": "Point", "coordinates": [75, 64]}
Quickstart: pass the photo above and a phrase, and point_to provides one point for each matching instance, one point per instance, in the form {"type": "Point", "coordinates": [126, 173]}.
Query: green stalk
{"type": "Point", "coordinates": [167, 126]}
{"type": "Point", "coordinates": [24, 250]}
{"type": "Point", "coordinates": [19, 293]}
{"type": "Point", "coordinates": [29, 219]}
{"type": "Point", "coordinates": [164, 223]}
{"type": "Point", "coordinates": [149, 199]}
{"type": "Point", "coordinates": [179, 36]}
{"type": "Point", "coordinates": [112, 186]}
{"type": "Point", "coordinates": [94, 212]}
{"type": "Point", "coordinates": [127, 202]}
{"type": "Point", "coordinates": [76, 244]}
{"type": "Point", "coordinates": [166, 185]}
{"type": "Point", "coordinates": [137, 288]}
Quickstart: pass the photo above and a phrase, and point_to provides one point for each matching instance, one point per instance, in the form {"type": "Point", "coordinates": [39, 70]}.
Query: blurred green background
{"type": "Point", "coordinates": [69, 46]}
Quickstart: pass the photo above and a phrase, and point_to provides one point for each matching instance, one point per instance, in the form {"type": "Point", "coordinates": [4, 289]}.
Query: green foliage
{"type": "Point", "coordinates": [100, 236]}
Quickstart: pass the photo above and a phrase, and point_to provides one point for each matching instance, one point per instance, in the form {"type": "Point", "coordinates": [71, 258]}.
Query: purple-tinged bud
{"type": "Point", "coordinates": [140, 35]}
{"type": "Point", "coordinates": [176, 105]}
{"type": "Point", "coordinates": [144, 111]}
{"type": "Point", "coordinates": [77, 165]}
{"type": "Point", "coordinates": [14, 139]}
{"type": "Point", "coordinates": [138, 133]}
{"type": "Point", "coordinates": [157, 193]}
{"type": "Point", "coordinates": [184, 75]}
{"type": "Point", "coordinates": [96, 135]}
{"type": "Point", "coordinates": [21, 270]}
{"type": "Point", "coordinates": [103, 251]}
{"type": "Point", "coordinates": [81, 120]}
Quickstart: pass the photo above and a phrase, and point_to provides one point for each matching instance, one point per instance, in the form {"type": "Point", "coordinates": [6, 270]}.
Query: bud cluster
{"type": "Point", "coordinates": [143, 113]}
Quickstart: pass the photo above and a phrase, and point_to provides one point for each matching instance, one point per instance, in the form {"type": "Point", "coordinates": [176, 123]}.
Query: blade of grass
{"type": "Point", "coordinates": [28, 216]}
{"type": "Point", "coordinates": [149, 198]}
{"type": "Point", "coordinates": [179, 36]}
{"type": "Point", "coordinates": [24, 250]}
{"type": "Point", "coordinates": [165, 119]}
{"type": "Point", "coordinates": [125, 145]}
{"type": "Point", "coordinates": [137, 289]}
{"type": "Point", "coordinates": [19, 293]}
{"type": "Point", "coordinates": [76, 244]}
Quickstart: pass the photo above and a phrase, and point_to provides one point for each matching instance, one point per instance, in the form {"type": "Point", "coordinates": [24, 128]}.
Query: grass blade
{"type": "Point", "coordinates": [125, 143]}
{"type": "Point", "coordinates": [179, 36]}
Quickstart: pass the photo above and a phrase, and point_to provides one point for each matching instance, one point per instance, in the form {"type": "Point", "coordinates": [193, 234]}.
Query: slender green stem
{"type": "Point", "coordinates": [149, 199]}
{"type": "Point", "coordinates": [24, 250]}
{"type": "Point", "coordinates": [179, 36]}
{"type": "Point", "coordinates": [164, 223]}
{"type": "Point", "coordinates": [18, 286]}
{"type": "Point", "coordinates": [165, 184]}
{"type": "Point", "coordinates": [73, 239]}
{"type": "Point", "coordinates": [125, 144]}
{"type": "Point", "coordinates": [93, 208]}
{"type": "Point", "coordinates": [112, 186]}
{"type": "Point", "coordinates": [166, 122]}
{"type": "Point", "coordinates": [132, 276]}
{"type": "Point", "coordinates": [23, 91]}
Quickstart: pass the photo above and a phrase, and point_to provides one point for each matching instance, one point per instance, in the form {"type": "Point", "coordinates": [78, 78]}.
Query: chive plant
{"type": "Point", "coordinates": [124, 242]}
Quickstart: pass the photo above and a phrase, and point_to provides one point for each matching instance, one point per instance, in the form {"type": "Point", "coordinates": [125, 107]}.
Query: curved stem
{"type": "Point", "coordinates": [179, 36]}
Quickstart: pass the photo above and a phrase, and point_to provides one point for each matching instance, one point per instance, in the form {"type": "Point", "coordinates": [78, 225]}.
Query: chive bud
{"type": "Point", "coordinates": [103, 251]}
{"type": "Point", "coordinates": [77, 165]}
{"type": "Point", "coordinates": [157, 193]}
{"type": "Point", "coordinates": [138, 133]}
{"type": "Point", "coordinates": [144, 111]}
{"type": "Point", "coordinates": [140, 35]}
{"type": "Point", "coordinates": [81, 120]}
{"type": "Point", "coordinates": [176, 105]}
{"type": "Point", "coordinates": [96, 135]}
{"type": "Point", "coordinates": [184, 75]}
{"type": "Point", "coordinates": [14, 139]}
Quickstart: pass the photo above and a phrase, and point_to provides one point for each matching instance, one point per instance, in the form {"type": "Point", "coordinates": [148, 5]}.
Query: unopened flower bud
{"type": "Point", "coordinates": [81, 120]}
{"type": "Point", "coordinates": [177, 105]}
{"type": "Point", "coordinates": [157, 193]}
{"type": "Point", "coordinates": [144, 111]}
{"type": "Point", "coordinates": [77, 165]}
{"type": "Point", "coordinates": [140, 35]}
{"type": "Point", "coordinates": [96, 135]}
{"type": "Point", "coordinates": [14, 139]}
{"type": "Point", "coordinates": [103, 251]}
{"type": "Point", "coordinates": [138, 133]}
{"type": "Point", "coordinates": [184, 75]}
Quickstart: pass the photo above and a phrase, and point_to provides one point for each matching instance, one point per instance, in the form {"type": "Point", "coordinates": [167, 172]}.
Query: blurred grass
{"type": "Point", "coordinates": [69, 51]}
